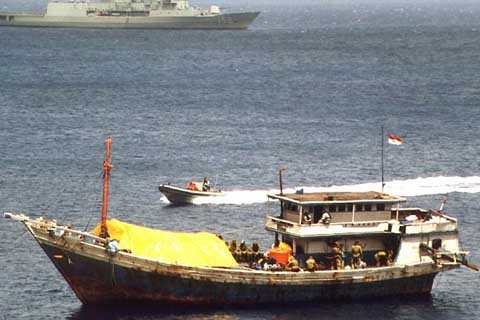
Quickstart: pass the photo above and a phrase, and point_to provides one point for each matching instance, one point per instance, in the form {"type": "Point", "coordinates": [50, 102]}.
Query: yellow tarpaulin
{"type": "Point", "coordinates": [200, 249]}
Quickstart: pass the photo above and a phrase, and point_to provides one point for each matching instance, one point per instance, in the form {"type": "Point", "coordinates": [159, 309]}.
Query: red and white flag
{"type": "Point", "coordinates": [393, 139]}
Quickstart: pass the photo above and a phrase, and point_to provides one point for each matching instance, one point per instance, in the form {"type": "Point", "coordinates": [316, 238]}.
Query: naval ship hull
{"type": "Point", "coordinates": [221, 21]}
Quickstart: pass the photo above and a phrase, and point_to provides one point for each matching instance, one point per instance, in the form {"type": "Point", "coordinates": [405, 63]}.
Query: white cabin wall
{"type": "Point", "coordinates": [372, 216]}
{"type": "Point", "coordinates": [450, 242]}
{"type": "Point", "coordinates": [410, 247]}
{"type": "Point", "coordinates": [409, 251]}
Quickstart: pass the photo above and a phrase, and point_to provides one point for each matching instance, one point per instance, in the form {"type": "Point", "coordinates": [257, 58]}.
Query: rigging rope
{"type": "Point", "coordinates": [95, 202]}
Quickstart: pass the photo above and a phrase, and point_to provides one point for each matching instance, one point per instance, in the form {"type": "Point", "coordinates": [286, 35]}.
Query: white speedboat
{"type": "Point", "coordinates": [179, 195]}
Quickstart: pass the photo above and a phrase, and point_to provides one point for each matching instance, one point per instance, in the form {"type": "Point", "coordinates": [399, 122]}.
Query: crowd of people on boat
{"type": "Point", "coordinates": [280, 258]}
{"type": "Point", "coordinates": [245, 254]}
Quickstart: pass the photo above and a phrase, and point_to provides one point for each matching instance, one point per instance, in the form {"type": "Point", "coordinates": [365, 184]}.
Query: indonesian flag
{"type": "Point", "coordinates": [395, 140]}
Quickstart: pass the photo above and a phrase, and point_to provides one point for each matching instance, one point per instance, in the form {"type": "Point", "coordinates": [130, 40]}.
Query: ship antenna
{"type": "Point", "coordinates": [280, 178]}
{"type": "Point", "coordinates": [106, 175]}
{"type": "Point", "coordinates": [383, 179]}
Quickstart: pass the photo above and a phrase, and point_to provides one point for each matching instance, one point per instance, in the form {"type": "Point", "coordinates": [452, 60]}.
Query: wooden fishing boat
{"type": "Point", "coordinates": [179, 196]}
{"type": "Point", "coordinates": [118, 263]}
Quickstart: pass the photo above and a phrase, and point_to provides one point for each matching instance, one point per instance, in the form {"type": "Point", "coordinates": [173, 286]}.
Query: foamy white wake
{"type": "Point", "coordinates": [407, 188]}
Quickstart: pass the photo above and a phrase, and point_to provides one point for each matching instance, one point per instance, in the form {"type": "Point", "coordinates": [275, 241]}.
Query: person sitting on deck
{"type": "Point", "coordinates": [310, 264]}
{"type": "Point", "coordinates": [255, 252]}
{"type": "Point", "coordinates": [256, 249]}
{"type": "Point", "coordinates": [381, 258]}
{"type": "Point", "coordinates": [292, 264]}
{"type": "Point", "coordinates": [233, 246]}
{"type": "Point", "coordinates": [270, 264]}
{"type": "Point", "coordinates": [326, 218]}
{"type": "Point", "coordinates": [307, 218]}
{"type": "Point", "coordinates": [205, 185]}
{"type": "Point", "coordinates": [243, 251]}
{"type": "Point", "coordinates": [234, 250]}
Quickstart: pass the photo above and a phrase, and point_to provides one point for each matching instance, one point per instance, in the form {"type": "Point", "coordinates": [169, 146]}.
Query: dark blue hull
{"type": "Point", "coordinates": [100, 282]}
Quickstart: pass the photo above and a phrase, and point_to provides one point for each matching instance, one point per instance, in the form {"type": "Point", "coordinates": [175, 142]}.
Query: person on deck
{"type": "Point", "coordinates": [205, 185]}
{"type": "Point", "coordinates": [255, 252]}
{"type": "Point", "coordinates": [292, 264]}
{"type": "Point", "coordinates": [357, 255]}
{"type": "Point", "coordinates": [337, 256]}
{"type": "Point", "coordinates": [381, 258]}
{"type": "Point", "coordinates": [243, 251]}
{"type": "Point", "coordinates": [326, 218]}
{"type": "Point", "coordinates": [310, 264]}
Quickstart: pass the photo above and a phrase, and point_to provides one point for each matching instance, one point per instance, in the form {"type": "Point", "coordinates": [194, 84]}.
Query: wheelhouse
{"type": "Point", "coordinates": [312, 222]}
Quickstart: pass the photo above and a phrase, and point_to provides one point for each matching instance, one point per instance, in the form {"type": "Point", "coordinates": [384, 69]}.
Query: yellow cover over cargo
{"type": "Point", "coordinates": [200, 249]}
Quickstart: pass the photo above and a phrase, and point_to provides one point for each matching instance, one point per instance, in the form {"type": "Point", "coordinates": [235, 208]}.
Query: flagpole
{"type": "Point", "coordinates": [383, 180]}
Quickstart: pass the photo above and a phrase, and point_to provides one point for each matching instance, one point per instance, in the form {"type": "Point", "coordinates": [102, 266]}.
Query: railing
{"type": "Point", "coordinates": [282, 225]}
{"type": "Point", "coordinates": [428, 227]}
{"type": "Point", "coordinates": [57, 230]}
{"type": "Point", "coordinates": [278, 224]}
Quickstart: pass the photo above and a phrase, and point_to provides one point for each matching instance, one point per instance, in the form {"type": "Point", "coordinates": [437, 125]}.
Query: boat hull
{"type": "Point", "coordinates": [96, 281]}
{"type": "Point", "coordinates": [221, 21]}
{"type": "Point", "coordinates": [179, 196]}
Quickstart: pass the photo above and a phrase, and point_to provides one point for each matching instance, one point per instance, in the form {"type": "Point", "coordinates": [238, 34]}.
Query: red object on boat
{"type": "Point", "coordinates": [280, 255]}
{"type": "Point", "coordinates": [192, 186]}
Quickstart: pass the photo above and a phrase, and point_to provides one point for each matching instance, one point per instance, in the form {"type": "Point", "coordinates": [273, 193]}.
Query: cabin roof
{"type": "Point", "coordinates": [337, 197]}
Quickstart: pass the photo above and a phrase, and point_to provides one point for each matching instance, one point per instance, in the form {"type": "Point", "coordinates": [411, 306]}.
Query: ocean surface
{"type": "Point", "coordinates": [308, 87]}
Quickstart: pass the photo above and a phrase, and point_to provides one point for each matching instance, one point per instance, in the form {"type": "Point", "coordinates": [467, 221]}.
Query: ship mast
{"type": "Point", "coordinates": [382, 145]}
{"type": "Point", "coordinates": [280, 179]}
{"type": "Point", "coordinates": [106, 175]}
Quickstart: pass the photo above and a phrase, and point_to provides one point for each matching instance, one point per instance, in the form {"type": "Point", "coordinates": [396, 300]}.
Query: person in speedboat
{"type": "Point", "coordinates": [205, 185]}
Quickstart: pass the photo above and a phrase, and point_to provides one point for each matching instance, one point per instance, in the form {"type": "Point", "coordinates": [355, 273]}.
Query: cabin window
{"type": "Point", "coordinates": [341, 208]}
{"type": "Point", "coordinates": [368, 207]}
{"type": "Point", "coordinates": [380, 207]}
{"type": "Point", "coordinates": [290, 206]}
{"type": "Point", "coordinates": [307, 209]}
{"type": "Point", "coordinates": [332, 208]}
{"type": "Point", "coordinates": [317, 213]}
{"type": "Point", "coordinates": [349, 207]}
{"type": "Point", "coordinates": [319, 210]}
{"type": "Point", "coordinates": [359, 207]}
{"type": "Point", "coordinates": [436, 244]}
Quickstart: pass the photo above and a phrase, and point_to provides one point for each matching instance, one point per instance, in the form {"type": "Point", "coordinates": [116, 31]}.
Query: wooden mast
{"type": "Point", "coordinates": [106, 175]}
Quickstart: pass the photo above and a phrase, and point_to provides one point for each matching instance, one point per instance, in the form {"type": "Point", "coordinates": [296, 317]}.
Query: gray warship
{"type": "Point", "coordinates": [129, 14]}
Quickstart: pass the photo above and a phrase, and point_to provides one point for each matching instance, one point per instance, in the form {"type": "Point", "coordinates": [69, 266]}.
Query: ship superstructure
{"type": "Point", "coordinates": [314, 223]}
